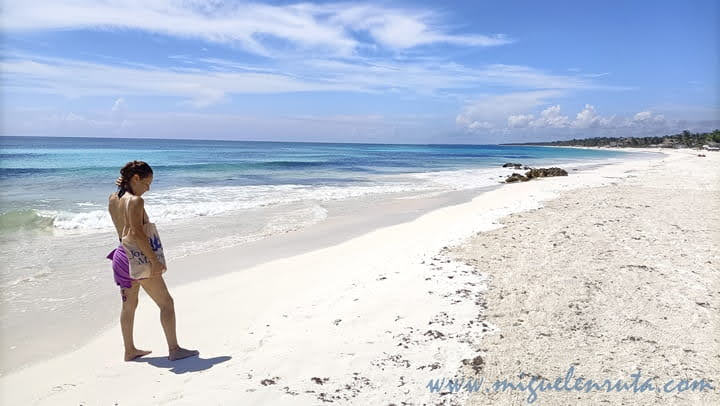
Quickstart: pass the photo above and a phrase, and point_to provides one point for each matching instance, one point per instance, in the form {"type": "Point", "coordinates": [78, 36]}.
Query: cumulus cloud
{"type": "Point", "coordinates": [480, 125]}
{"type": "Point", "coordinates": [648, 118]}
{"type": "Point", "coordinates": [588, 118]}
{"type": "Point", "coordinates": [552, 118]}
{"type": "Point", "coordinates": [549, 118]}
{"type": "Point", "coordinates": [493, 110]}
{"type": "Point", "coordinates": [520, 120]}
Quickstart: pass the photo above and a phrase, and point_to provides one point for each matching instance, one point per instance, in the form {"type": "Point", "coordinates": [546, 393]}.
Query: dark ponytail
{"type": "Point", "coordinates": [126, 173]}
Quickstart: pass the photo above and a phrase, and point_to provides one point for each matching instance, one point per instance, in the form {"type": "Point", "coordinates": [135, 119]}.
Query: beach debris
{"type": "Point", "coordinates": [476, 363]}
{"type": "Point", "coordinates": [395, 360]}
{"type": "Point", "coordinates": [433, 366]}
{"type": "Point", "coordinates": [442, 318]}
{"type": "Point", "coordinates": [319, 381]}
{"type": "Point", "coordinates": [337, 321]}
{"type": "Point", "coordinates": [434, 334]}
{"type": "Point", "coordinates": [270, 381]}
{"type": "Point", "coordinates": [345, 392]}
{"type": "Point", "coordinates": [327, 397]}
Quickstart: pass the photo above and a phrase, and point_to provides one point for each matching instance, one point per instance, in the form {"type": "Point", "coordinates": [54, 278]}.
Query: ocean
{"type": "Point", "coordinates": [52, 184]}
{"type": "Point", "coordinates": [55, 230]}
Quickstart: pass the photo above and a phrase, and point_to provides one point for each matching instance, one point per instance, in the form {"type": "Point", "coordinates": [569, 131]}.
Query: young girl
{"type": "Point", "coordinates": [127, 210]}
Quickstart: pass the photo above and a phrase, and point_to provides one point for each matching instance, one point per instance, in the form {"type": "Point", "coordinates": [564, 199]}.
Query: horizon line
{"type": "Point", "coordinates": [226, 140]}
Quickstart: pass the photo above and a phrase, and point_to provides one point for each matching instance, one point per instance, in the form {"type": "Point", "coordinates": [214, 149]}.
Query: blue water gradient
{"type": "Point", "coordinates": [77, 174]}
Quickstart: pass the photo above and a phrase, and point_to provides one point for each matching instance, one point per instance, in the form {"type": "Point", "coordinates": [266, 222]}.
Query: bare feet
{"type": "Point", "coordinates": [135, 353]}
{"type": "Point", "coordinates": [180, 353]}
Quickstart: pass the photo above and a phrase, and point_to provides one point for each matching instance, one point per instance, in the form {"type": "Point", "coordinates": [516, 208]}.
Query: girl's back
{"type": "Point", "coordinates": [118, 208]}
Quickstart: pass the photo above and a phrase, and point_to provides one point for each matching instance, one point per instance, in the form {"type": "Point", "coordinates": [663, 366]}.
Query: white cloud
{"type": "Point", "coordinates": [334, 28]}
{"type": "Point", "coordinates": [550, 120]}
{"type": "Point", "coordinates": [496, 108]}
{"type": "Point", "coordinates": [520, 120]}
{"type": "Point", "coordinates": [648, 118]}
{"type": "Point", "coordinates": [480, 125]}
{"type": "Point", "coordinates": [336, 33]}
{"type": "Point", "coordinates": [74, 79]}
{"type": "Point", "coordinates": [551, 117]}
{"type": "Point", "coordinates": [587, 118]}
{"type": "Point", "coordinates": [216, 79]}
{"type": "Point", "coordinates": [402, 29]}
{"type": "Point", "coordinates": [119, 105]}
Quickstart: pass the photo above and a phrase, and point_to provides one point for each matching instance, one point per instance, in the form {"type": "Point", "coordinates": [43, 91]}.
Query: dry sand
{"type": "Point", "coordinates": [372, 319]}
{"type": "Point", "coordinates": [610, 280]}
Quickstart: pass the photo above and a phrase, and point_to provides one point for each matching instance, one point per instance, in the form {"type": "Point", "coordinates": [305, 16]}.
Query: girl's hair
{"type": "Point", "coordinates": [126, 173]}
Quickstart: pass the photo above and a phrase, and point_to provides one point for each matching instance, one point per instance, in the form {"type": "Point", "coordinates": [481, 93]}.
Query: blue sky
{"type": "Point", "coordinates": [396, 72]}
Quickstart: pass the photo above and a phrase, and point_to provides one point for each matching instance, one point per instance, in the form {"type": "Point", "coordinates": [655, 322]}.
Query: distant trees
{"type": "Point", "coordinates": [683, 139]}
{"type": "Point", "coordinates": [715, 136]}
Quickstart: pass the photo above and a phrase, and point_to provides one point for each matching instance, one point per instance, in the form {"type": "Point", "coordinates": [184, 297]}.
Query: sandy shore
{"type": "Point", "coordinates": [372, 319]}
{"type": "Point", "coordinates": [609, 280]}
{"type": "Point", "coordinates": [73, 319]}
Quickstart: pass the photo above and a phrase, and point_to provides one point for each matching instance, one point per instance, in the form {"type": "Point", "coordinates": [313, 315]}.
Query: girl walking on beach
{"type": "Point", "coordinates": [127, 209]}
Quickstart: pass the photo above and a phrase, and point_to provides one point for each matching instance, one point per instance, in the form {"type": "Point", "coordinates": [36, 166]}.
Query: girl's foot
{"type": "Point", "coordinates": [180, 353]}
{"type": "Point", "coordinates": [135, 353]}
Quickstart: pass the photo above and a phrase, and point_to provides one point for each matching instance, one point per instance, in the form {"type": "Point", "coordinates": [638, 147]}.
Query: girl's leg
{"type": "Point", "coordinates": [157, 290]}
{"type": "Point", "coordinates": [127, 319]}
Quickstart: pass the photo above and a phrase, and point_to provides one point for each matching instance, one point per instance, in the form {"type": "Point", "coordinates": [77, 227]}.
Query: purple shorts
{"type": "Point", "coordinates": [121, 267]}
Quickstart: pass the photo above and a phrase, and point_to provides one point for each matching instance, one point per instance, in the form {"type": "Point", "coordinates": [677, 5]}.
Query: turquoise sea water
{"type": "Point", "coordinates": [51, 183]}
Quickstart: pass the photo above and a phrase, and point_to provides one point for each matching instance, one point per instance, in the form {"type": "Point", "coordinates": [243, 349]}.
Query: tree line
{"type": "Point", "coordinates": [685, 139]}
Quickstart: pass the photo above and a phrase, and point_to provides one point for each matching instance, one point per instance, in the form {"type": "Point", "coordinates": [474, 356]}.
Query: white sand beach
{"type": "Point", "coordinates": [609, 269]}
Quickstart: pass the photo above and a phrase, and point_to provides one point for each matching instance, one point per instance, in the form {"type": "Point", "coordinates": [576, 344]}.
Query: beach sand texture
{"type": "Point", "coordinates": [618, 272]}
{"type": "Point", "coordinates": [610, 280]}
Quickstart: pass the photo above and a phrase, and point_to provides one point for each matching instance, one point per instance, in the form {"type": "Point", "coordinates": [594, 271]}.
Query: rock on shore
{"type": "Point", "coordinates": [535, 173]}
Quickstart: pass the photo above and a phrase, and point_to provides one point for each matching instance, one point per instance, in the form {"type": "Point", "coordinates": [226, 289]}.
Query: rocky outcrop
{"type": "Point", "coordinates": [516, 177]}
{"type": "Point", "coordinates": [536, 173]}
{"type": "Point", "coordinates": [545, 172]}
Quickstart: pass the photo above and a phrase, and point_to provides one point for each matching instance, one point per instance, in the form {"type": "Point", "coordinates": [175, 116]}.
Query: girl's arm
{"type": "Point", "coordinates": [136, 209]}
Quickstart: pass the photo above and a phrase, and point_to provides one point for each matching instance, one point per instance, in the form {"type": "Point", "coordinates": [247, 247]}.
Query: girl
{"type": "Point", "coordinates": [127, 210]}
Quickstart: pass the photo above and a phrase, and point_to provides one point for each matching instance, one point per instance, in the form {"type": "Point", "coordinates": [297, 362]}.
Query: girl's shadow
{"type": "Point", "coordinates": [192, 364]}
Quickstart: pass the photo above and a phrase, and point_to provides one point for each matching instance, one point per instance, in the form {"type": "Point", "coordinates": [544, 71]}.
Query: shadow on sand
{"type": "Point", "coordinates": [192, 364]}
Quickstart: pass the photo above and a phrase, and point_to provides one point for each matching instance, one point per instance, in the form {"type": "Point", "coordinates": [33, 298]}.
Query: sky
{"type": "Point", "coordinates": [475, 72]}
